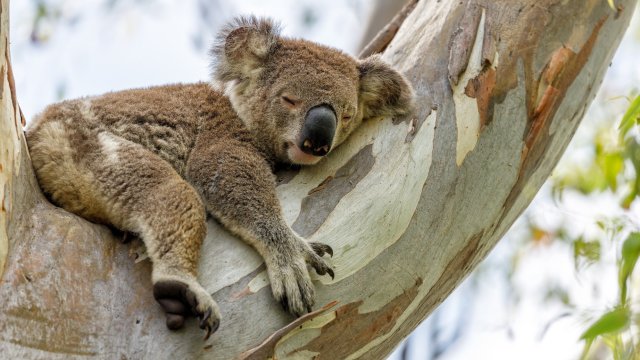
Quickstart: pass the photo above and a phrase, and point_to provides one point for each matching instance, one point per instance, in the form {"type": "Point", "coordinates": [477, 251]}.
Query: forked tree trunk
{"type": "Point", "coordinates": [410, 208]}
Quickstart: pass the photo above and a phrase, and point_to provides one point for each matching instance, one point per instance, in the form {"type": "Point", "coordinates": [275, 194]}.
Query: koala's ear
{"type": "Point", "coordinates": [242, 47]}
{"type": "Point", "coordinates": [384, 92]}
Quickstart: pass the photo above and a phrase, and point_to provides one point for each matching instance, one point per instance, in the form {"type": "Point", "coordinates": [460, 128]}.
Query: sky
{"type": "Point", "coordinates": [93, 48]}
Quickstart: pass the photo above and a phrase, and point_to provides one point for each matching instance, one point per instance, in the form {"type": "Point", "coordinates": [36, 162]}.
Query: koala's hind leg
{"type": "Point", "coordinates": [170, 218]}
{"type": "Point", "coordinates": [121, 183]}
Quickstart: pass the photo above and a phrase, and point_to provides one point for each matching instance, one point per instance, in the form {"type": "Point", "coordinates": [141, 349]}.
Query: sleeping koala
{"type": "Point", "coordinates": [154, 161]}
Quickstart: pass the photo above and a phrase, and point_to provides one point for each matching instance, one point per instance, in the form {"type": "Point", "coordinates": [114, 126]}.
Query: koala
{"type": "Point", "coordinates": [155, 161]}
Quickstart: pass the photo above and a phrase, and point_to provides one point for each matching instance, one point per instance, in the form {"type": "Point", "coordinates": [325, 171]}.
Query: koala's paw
{"type": "Point", "coordinates": [179, 300]}
{"type": "Point", "coordinates": [290, 281]}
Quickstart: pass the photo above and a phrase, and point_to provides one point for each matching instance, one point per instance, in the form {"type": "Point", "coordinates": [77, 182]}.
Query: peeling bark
{"type": "Point", "coordinates": [322, 200]}
{"type": "Point", "coordinates": [409, 208]}
{"type": "Point", "coordinates": [267, 348]}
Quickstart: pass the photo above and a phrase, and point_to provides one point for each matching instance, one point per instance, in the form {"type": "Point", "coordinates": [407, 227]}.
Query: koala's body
{"type": "Point", "coordinates": [154, 161]}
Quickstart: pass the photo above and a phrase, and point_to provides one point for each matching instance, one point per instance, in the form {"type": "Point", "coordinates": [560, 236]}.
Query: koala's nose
{"type": "Point", "coordinates": [318, 130]}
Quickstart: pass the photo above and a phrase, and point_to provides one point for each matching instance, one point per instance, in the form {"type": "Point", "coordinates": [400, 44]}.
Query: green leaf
{"type": "Point", "coordinates": [630, 118]}
{"type": "Point", "coordinates": [609, 158]}
{"type": "Point", "coordinates": [614, 321]}
{"type": "Point", "coordinates": [632, 152]}
{"type": "Point", "coordinates": [630, 254]}
{"type": "Point", "coordinates": [628, 199]}
{"type": "Point", "coordinates": [615, 344]}
{"type": "Point", "coordinates": [585, 180]}
{"type": "Point", "coordinates": [587, 250]}
{"type": "Point", "coordinates": [611, 164]}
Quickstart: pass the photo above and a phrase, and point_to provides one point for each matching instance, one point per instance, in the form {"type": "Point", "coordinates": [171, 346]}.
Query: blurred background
{"type": "Point", "coordinates": [561, 279]}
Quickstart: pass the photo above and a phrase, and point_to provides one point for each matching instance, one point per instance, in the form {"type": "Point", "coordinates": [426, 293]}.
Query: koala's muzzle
{"type": "Point", "coordinates": [318, 130]}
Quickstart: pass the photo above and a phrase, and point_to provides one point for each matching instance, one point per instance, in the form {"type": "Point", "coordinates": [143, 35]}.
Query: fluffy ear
{"type": "Point", "coordinates": [242, 47]}
{"type": "Point", "coordinates": [384, 92]}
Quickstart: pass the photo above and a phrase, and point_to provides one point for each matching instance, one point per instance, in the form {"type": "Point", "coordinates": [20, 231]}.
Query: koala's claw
{"type": "Point", "coordinates": [319, 264]}
{"type": "Point", "coordinates": [285, 303]}
{"type": "Point", "coordinates": [321, 267]}
{"type": "Point", "coordinates": [205, 317]}
{"type": "Point", "coordinates": [205, 325]}
{"type": "Point", "coordinates": [330, 272]}
{"type": "Point", "coordinates": [209, 328]}
{"type": "Point", "coordinates": [321, 249]}
{"type": "Point", "coordinates": [179, 301]}
{"type": "Point", "coordinates": [316, 260]}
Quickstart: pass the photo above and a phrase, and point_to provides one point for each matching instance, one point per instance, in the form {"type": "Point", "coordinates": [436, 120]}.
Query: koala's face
{"type": "Point", "coordinates": [301, 99]}
{"type": "Point", "coordinates": [311, 95]}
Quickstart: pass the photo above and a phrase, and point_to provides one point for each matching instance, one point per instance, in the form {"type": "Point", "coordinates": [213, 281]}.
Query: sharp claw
{"type": "Point", "coordinates": [285, 303]}
{"type": "Point", "coordinates": [320, 249]}
{"type": "Point", "coordinates": [309, 309]}
{"type": "Point", "coordinates": [326, 249]}
{"type": "Point", "coordinates": [211, 329]}
{"type": "Point", "coordinates": [205, 317]}
{"type": "Point", "coordinates": [329, 250]}
{"type": "Point", "coordinates": [319, 269]}
{"type": "Point", "coordinates": [330, 271]}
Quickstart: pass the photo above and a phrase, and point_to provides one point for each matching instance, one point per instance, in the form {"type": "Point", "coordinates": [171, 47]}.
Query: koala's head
{"type": "Point", "coordinates": [298, 98]}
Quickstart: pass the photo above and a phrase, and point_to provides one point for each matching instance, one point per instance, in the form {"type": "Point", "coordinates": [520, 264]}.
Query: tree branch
{"type": "Point", "coordinates": [380, 42]}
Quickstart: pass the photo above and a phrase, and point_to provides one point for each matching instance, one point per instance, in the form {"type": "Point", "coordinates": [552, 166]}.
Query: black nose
{"type": "Point", "coordinates": [318, 130]}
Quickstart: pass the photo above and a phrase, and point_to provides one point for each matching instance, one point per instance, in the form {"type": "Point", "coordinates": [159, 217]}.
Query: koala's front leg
{"type": "Point", "coordinates": [239, 190]}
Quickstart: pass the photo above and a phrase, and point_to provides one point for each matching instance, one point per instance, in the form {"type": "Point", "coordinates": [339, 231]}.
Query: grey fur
{"type": "Point", "coordinates": [154, 161]}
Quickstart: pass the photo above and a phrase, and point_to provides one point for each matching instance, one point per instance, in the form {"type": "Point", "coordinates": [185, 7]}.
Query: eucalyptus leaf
{"type": "Point", "coordinates": [630, 118]}
{"type": "Point", "coordinates": [614, 321]}
{"type": "Point", "coordinates": [630, 253]}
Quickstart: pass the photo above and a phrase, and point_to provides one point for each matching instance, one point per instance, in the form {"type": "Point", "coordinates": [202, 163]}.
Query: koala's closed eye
{"type": "Point", "coordinates": [290, 101]}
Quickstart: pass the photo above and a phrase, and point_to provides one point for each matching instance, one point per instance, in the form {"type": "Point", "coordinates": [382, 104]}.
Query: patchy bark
{"type": "Point", "coordinates": [410, 208]}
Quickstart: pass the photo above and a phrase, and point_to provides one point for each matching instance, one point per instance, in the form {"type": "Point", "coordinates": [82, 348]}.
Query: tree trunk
{"type": "Point", "coordinates": [410, 208]}
{"type": "Point", "coordinates": [382, 12]}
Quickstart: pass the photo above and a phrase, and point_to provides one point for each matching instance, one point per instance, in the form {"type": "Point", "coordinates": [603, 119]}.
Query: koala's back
{"type": "Point", "coordinates": [76, 146]}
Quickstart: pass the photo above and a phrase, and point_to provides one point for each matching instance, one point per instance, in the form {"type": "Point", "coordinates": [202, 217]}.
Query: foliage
{"type": "Point", "coordinates": [613, 169]}
{"type": "Point", "coordinates": [616, 162]}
